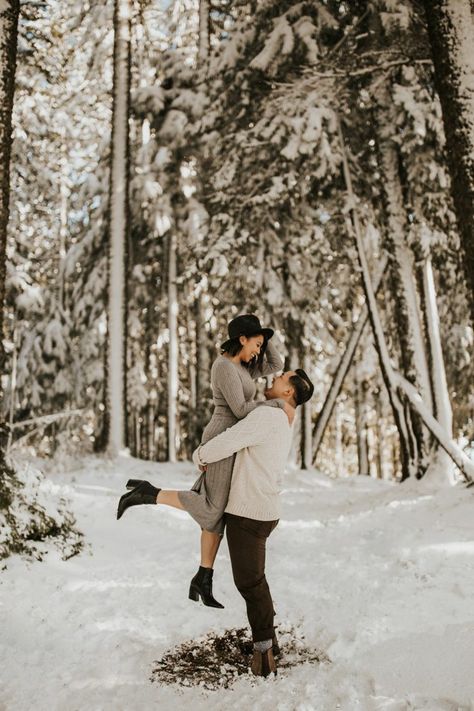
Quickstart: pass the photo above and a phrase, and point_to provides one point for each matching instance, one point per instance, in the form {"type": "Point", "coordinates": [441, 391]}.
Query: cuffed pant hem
{"type": "Point", "coordinates": [262, 635]}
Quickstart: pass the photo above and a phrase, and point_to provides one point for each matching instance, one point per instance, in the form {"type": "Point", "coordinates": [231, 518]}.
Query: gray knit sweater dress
{"type": "Point", "coordinates": [233, 389]}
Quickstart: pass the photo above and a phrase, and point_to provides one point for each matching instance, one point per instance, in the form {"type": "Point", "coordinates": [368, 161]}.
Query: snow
{"type": "Point", "coordinates": [379, 576]}
{"type": "Point", "coordinates": [280, 42]}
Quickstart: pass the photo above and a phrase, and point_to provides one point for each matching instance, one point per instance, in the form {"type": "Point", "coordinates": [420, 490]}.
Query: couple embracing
{"type": "Point", "coordinates": [242, 459]}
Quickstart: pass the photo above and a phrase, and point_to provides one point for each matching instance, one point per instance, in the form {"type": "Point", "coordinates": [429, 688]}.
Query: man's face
{"type": "Point", "coordinates": [281, 386]}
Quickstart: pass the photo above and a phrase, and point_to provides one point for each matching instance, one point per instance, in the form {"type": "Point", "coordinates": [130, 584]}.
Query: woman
{"type": "Point", "coordinates": [247, 355]}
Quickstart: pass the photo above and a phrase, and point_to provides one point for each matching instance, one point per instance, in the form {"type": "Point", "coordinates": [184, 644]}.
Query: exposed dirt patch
{"type": "Point", "coordinates": [216, 662]}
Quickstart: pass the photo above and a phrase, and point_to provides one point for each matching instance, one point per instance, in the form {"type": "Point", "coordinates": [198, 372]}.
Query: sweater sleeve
{"type": "Point", "coordinates": [249, 432]}
{"type": "Point", "coordinates": [230, 385]}
{"type": "Point", "coordinates": [272, 362]}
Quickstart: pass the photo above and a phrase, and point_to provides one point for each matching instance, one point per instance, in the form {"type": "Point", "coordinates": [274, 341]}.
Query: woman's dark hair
{"type": "Point", "coordinates": [234, 346]}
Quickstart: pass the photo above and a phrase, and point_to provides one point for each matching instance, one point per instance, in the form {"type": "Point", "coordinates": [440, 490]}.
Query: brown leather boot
{"type": "Point", "coordinates": [263, 663]}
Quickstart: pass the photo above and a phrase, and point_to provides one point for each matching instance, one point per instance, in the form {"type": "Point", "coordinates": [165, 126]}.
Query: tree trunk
{"type": "Point", "coordinates": [338, 446]}
{"type": "Point", "coordinates": [150, 414]}
{"type": "Point", "coordinates": [173, 352]}
{"type": "Point", "coordinates": [360, 402]}
{"type": "Point", "coordinates": [441, 468]}
{"type": "Point", "coordinates": [204, 32]}
{"type": "Point", "coordinates": [203, 366]}
{"type": "Point", "coordinates": [343, 367]}
{"type": "Point", "coordinates": [294, 330]}
{"type": "Point", "coordinates": [405, 297]}
{"type": "Point", "coordinates": [398, 410]}
{"type": "Point", "coordinates": [306, 426]}
{"type": "Point", "coordinates": [203, 345]}
{"type": "Point", "coordinates": [9, 13]}
{"type": "Point", "coordinates": [295, 334]}
{"type": "Point", "coordinates": [63, 223]}
{"type": "Point", "coordinates": [379, 460]}
{"type": "Point", "coordinates": [395, 383]}
{"type": "Point", "coordinates": [118, 227]}
{"type": "Point", "coordinates": [13, 375]}
{"type": "Point", "coordinates": [451, 31]}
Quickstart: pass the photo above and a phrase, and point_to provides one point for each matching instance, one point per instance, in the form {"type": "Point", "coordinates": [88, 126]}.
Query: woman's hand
{"type": "Point", "coordinates": [290, 412]}
{"type": "Point", "coordinates": [202, 468]}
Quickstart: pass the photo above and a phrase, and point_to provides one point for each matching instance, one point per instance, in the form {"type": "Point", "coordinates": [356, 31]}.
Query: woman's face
{"type": "Point", "coordinates": [251, 347]}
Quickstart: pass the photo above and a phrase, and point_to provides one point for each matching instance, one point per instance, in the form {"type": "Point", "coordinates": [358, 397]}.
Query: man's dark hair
{"type": "Point", "coordinates": [303, 387]}
{"type": "Point", "coordinates": [234, 346]}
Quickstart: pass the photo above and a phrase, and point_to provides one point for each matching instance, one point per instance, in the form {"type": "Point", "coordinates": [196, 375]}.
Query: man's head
{"type": "Point", "coordinates": [294, 386]}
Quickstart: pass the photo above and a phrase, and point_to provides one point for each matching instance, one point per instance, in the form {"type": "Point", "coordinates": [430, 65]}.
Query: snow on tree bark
{"type": "Point", "coordinates": [440, 468]}
{"type": "Point", "coordinates": [451, 31]}
{"type": "Point", "coordinates": [9, 13]}
{"type": "Point", "coordinates": [172, 347]}
{"type": "Point", "coordinates": [118, 226]}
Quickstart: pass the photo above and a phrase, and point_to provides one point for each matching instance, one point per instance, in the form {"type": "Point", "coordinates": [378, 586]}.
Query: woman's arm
{"type": "Point", "coordinates": [231, 388]}
{"type": "Point", "coordinates": [272, 362]}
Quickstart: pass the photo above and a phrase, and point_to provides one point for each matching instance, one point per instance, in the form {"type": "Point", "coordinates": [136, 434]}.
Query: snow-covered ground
{"type": "Point", "coordinates": [379, 576]}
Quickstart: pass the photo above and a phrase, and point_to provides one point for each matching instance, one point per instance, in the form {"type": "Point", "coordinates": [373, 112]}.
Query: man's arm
{"type": "Point", "coordinates": [252, 430]}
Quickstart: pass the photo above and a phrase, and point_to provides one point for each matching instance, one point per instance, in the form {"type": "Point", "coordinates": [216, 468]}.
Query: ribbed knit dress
{"type": "Point", "coordinates": [233, 389]}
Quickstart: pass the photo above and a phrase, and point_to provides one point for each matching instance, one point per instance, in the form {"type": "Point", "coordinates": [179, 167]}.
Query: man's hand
{"type": "Point", "coordinates": [198, 461]}
{"type": "Point", "coordinates": [290, 412]}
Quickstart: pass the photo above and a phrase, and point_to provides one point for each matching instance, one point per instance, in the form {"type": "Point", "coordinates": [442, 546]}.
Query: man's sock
{"type": "Point", "coordinates": [263, 646]}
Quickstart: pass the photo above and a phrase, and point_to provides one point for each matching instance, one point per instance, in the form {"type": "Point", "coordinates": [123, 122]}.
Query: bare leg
{"type": "Point", "coordinates": [169, 498]}
{"type": "Point", "coordinates": [210, 543]}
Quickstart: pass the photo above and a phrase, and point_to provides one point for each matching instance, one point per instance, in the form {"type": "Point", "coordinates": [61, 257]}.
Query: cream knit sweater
{"type": "Point", "coordinates": [262, 441]}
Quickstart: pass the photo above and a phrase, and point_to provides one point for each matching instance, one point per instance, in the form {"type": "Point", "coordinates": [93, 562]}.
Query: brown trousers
{"type": "Point", "coordinates": [247, 539]}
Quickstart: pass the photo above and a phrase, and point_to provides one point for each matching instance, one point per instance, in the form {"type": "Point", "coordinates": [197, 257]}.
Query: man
{"type": "Point", "coordinates": [262, 441]}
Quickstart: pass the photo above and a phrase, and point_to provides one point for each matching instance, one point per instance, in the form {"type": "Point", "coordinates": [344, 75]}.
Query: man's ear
{"type": "Point", "coordinates": [291, 393]}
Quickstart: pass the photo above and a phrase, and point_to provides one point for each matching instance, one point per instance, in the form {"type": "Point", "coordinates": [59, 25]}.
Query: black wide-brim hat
{"type": "Point", "coordinates": [246, 325]}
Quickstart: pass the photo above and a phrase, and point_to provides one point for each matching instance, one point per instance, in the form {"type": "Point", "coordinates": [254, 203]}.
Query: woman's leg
{"type": "Point", "coordinates": [169, 498]}
{"type": "Point", "coordinates": [210, 543]}
{"type": "Point", "coordinates": [201, 584]}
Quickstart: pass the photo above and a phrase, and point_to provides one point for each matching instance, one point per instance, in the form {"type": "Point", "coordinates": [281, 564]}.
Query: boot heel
{"type": "Point", "coordinates": [132, 483]}
{"type": "Point", "coordinates": [201, 587]}
{"type": "Point", "coordinates": [193, 594]}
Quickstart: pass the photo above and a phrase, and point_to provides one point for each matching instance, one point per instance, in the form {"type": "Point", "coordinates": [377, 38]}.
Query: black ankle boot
{"type": "Point", "coordinates": [144, 493]}
{"type": "Point", "coordinates": [201, 587]}
{"type": "Point", "coordinates": [133, 483]}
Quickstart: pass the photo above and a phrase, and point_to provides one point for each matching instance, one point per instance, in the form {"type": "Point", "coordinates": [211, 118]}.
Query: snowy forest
{"type": "Point", "coordinates": [165, 166]}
